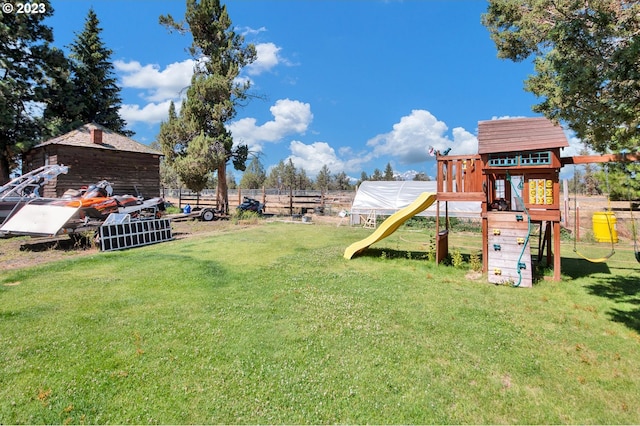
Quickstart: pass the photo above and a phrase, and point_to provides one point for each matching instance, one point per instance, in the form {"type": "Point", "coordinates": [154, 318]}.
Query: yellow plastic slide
{"type": "Point", "coordinates": [392, 223]}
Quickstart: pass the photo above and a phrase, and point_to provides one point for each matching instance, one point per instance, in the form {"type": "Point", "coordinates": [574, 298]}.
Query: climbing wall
{"type": "Point", "coordinates": [507, 237]}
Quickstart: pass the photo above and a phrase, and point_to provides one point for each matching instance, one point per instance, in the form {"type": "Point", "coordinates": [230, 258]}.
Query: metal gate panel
{"type": "Point", "coordinates": [134, 234]}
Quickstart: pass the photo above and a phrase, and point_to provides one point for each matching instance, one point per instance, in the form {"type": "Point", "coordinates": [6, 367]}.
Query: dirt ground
{"type": "Point", "coordinates": [21, 252]}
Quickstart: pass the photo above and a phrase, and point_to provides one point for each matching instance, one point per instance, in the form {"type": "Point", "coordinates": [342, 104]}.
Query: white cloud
{"type": "Point", "coordinates": [159, 84]}
{"type": "Point", "coordinates": [289, 117]}
{"type": "Point", "coordinates": [575, 145]}
{"type": "Point", "coordinates": [152, 113]}
{"type": "Point", "coordinates": [245, 31]}
{"type": "Point", "coordinates": [314, 156]}
{"type": "Point", "coordinates": [410, 139]}
{"type": "Point", "coordinates": [507, 117]}
{"type": "Point", "coordinates": [464, 142]}
{"type": "Point", "coordinates": [267, 58]}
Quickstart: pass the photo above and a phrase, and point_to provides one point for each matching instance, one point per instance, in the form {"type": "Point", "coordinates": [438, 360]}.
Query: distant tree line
{"type": "Point", "coordinates": [285, 175]}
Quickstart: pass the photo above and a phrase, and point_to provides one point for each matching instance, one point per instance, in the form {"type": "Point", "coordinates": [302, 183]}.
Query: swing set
{"type": "Point", "coordinates": [608, 215]}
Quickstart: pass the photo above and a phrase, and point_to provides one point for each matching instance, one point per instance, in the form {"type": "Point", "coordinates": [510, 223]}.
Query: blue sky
{"type": "Point", "coordinates": [350, 84]}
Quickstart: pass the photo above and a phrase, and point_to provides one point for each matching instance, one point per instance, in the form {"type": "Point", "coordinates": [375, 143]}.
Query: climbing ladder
{"type": "Point", "coordinates": [507, 263]}
{"type": "Point", "coordinates": [371, 220]}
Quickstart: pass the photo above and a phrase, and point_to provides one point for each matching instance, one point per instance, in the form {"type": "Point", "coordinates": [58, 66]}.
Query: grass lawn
{"type": "Point", "coordinates": [269, 324]}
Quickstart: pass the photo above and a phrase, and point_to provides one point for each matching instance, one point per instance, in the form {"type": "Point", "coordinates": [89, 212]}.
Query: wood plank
{"type": "Point", "coordinates": [461, 196]}
{"type": "Point", "coordinates": [605, 158]}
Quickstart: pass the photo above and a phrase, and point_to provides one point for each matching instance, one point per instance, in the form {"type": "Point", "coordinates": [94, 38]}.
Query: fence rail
{"type": "Point", "coordinates": [277, 202]}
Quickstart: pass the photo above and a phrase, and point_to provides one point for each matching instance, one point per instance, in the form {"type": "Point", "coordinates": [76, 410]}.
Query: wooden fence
{"type": "Point", "coordinates": [276, 202]}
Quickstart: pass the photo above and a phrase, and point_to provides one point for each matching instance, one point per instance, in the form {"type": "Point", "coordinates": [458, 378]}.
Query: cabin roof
{"type": "Point", "coordinates": [83, 136]}
{"type": "Point", "coordinates": [519, 134]}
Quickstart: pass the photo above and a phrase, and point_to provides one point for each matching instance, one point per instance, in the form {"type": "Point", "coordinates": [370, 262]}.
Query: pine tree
{"type": "Point", "coordinates": [93, 79]}
{"type": "Point", "coordinates": [323, 180]}
{"type": "Point", "coordinates": [62, 110]}
{"type": "Point", "coordinates": [274, 180]}
{"type": "Point", "coordinates": [341, 182]}
{"type": "Point", "coordinates": [254, 176]}
{"type": "Point", "coordinates": [377, 175]}
{"type": "Point", "coordinates": [585, 55]}
{"type": "Point", "coordinates": [26, 58]}
{"type": "Point", "coordinates": [211, 98]}
{"type": "Point", "coordinates": [388, 173]}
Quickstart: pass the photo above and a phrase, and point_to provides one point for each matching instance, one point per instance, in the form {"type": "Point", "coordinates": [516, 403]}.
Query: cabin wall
{"type": "Point", "coordinates": [128, 172]}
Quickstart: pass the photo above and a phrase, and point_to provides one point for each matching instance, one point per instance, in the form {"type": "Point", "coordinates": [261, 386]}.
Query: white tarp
{"type": "Point", "coordinates": [387, 197]}
{"type": "Point", "coordinates": [35, 219]}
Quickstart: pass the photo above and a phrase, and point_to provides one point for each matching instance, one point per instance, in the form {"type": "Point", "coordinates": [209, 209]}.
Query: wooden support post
{"type": "Point", "coordinates": [556, 249]}
{"type": "Point", "coordinates": [485, 244]}
{"type": "Point", "coordinates": [577, 223]}
{"type": "Point", "coordinates": [437, 229]}
{"type": "Point", "coordinates": [547, 237]}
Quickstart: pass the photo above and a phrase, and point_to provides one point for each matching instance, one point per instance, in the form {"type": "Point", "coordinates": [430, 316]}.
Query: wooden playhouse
{"type": "Point", "coordinates": [516, 176]}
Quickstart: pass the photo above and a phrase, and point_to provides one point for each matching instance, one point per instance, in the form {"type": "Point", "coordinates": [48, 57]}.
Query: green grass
{"type": "Point", "coordinates": [270, 324]}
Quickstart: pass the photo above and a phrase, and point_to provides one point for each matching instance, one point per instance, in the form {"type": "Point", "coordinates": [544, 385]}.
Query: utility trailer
{"type": "Point", "coordinates": [205, 214]}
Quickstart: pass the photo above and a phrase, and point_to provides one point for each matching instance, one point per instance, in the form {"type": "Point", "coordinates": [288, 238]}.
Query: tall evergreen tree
{"type": "Point", "coordinates": [212, 97]}
{"type": "Point", "coordinates": [341, 182]}
{"type": "Point", "coordinates": [388, 173]}
{"type": "Point", "coordinates": [26, 57]}
{"type": "Point", "coordinates": [586, 62]}
{"type": "Point", "coordinates": [377, 175]}
{"type": "Point", "coordinates": [363, 177]}
{"type": "Point", "coordinates": [93, 79]}
{"type": "Point", "coordinates": [254, 176]}
{"type": "Point", "coordinates": [302, 180]}
{"type": "Point", "coordinates": [323, 180]}
{"type": "Point", "coordinates": [275, 178]}
{"type": "Point", "coordinates": [289, 175]}
{"type": "Point", "coordinates": [63, 108]}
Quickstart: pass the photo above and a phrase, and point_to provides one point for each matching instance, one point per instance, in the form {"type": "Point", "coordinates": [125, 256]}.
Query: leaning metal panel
{"type": "Point", "coordinates": [134, 234]}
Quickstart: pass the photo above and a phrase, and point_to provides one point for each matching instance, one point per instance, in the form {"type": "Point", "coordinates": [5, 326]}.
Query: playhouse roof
{"type": "Point", "coordinates": [519, 134]}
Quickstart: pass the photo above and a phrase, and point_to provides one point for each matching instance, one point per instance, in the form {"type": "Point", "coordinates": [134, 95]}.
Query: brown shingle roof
{"type": "Point", "coordinates": [519, 134]}
{"type": "Point", "coordinates": [110, 140]}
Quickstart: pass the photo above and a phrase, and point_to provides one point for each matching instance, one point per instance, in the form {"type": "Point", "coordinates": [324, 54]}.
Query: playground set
{"type": "Point", "coordinates": [516, 177]}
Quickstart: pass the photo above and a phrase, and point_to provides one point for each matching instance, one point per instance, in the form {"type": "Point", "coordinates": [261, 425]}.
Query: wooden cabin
{"type": "Point", "coordinates": [94, 153]}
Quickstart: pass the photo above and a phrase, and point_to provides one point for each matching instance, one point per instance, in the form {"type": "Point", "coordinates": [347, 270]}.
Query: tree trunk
{"type": "Point", "coordinates": [222, 192]}
{"type": "Point", "coordinates": [5, 170]}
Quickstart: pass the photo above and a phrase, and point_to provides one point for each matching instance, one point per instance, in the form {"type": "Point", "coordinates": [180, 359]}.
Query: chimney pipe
{"type": "Point", "coordinates": [96, 136]}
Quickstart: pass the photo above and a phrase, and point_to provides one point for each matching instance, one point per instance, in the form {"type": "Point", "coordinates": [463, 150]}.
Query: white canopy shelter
{"type": "Point", "coordinates": [383, 198]}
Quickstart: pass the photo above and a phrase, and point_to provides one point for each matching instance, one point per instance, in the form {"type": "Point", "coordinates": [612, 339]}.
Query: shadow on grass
{"type": "Point", "coordinates": [393, 254]}
{"type": "Point", "coordinates": [579, 268]}
{"type": "Point", "coordinates": [622, 290]}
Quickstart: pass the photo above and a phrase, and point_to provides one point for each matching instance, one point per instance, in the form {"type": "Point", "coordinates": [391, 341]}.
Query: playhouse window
{"type": "Point", "coordinates": [535, 158]}
{"type": "Point", "coordinates": [499, 189]}
{"type": "Point", "coordinates": [503, 160]}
